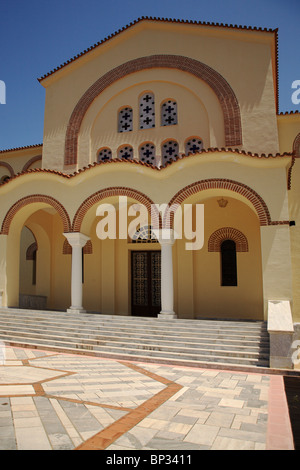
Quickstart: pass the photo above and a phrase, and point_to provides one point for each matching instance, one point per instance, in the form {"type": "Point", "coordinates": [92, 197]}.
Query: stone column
{"type": "Point", "coordinates": [77, 241]}
{"type": "Point", "coordinates": [166, 240]}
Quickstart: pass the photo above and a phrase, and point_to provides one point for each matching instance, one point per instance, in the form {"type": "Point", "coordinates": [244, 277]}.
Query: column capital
{"type": "Point", "coordinates": [165, 236]}
{"type": "Point", "coordinates": [76, 238]}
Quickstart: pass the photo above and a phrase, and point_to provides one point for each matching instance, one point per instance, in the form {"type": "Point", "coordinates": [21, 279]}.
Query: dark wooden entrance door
{"type": "Point", "coordinates": [145, 283]}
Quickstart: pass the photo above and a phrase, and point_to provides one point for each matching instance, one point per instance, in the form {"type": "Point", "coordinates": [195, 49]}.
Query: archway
{"type": "Point", "coordinates": [212, 282]}
{"type": "Point", "coordinates": [34, 250]}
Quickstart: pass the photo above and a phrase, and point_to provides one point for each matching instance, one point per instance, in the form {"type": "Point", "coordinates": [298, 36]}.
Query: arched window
{"type": "Point", "coordinates": [144, 234]}
{"type": "Point", "coordinates": [104, 154]}
{"type": "Point", "coordinates": [228, 263]}
{"type": "Point", "coordinates": [125, 120]}
{"type": "Point", "coordinates": [193, 145]}
{"type": "Point", "coordinates": [147, 111]}
{"type": "Point", "coordinates": [169, 113]}
{"type": "Point", "coordinates": [169, 151]}
{"type": "Point", "coordinates": [126, 151]}
{"type": "Point", "coordinates": [147, 153]}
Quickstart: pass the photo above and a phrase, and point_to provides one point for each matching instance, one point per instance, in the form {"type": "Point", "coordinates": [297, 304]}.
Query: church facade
{"type": "Point", "coordinates": [162, 114]}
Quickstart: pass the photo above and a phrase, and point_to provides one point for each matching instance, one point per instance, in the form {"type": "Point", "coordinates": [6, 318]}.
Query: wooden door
{"type": "Point", "coordinates": [145, 283]}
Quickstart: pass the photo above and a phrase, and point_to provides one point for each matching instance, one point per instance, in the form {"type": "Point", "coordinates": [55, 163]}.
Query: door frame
{"type": "Point", "coordinates": [150, 310]}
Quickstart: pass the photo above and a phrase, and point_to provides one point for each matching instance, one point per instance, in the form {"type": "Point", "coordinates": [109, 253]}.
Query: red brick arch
{"type": "Point", "coordinates": [34, 198]}
{"type": "Point", "coordinates": [220, 183]}
{"type": "Point", "coordinates": [87, 249]}
{"type": "Point", "coordinates": [296, 154]}
{"type": "Point", "coordinates": [223, 91]}
{"type": "Point", "coordinates": [108, 192]}
{"type": "Point", "coordinates": [296, 146]}
{"type": "Point", "coordinates": [31, 161]}
{"type": "Point", "coordinates": [227, 233]}
{"type": "Point", "coordinates": [8, 167]}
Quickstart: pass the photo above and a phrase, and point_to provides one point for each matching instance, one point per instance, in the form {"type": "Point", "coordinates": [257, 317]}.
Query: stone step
{"type": "Point", "coordinates": [113, 335]}
{"type": "Point", "coordinates": [142, 355]}
{"type": "Point", "coordinates": [155, 328]}
{"type": "Point", "coordinates": [151, 344]}
{"type": "Point", "coordinates": [98, 321]}
{"type": "Point", "coordinates": [139, 338]}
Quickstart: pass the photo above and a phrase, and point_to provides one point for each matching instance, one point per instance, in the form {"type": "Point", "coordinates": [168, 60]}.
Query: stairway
{"type": "Point", "coordinates": [197, 343]}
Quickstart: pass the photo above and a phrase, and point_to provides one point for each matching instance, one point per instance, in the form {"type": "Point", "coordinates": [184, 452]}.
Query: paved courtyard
{"type": "Point", "coordinates": [56, 401]}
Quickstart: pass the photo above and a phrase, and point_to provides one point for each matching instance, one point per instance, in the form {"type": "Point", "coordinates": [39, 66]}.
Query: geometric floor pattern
{"type": "Point", "coordinates": [57, 401]}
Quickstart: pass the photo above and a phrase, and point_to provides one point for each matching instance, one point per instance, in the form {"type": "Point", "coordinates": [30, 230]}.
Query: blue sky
{"type": "Point", "coordinates": [37, 36]}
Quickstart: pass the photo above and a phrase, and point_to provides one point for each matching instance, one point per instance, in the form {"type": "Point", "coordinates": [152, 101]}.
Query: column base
{"type": "Point", "coordinates": [167, 315]}
{"type": "Point", "coordinates": [76, 310]}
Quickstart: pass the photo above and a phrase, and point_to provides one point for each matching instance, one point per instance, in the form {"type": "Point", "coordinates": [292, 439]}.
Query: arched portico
{"type": "Point", "coordinates": [46, 223]}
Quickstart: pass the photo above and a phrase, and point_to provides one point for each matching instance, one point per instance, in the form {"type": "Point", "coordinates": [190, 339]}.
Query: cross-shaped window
{"type": "Point", "coordinates": [125, 120]}
{"type": "Point", "coordinates": [169, 113]}
{"type": "Point", "coordinates": [147, 112]}
{"type": "Point", "coordinates": [193, 145]}
{"type": "Point", "coordinates": [170, 151]}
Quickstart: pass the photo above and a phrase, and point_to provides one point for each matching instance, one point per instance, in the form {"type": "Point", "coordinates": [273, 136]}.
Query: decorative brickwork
{"type": "Point", "coordinates": [108, 192]}
{"type": "Point", "coordinates": [296, 154]}
{"type": "Point", "coordinates": [8, 167]}
{"type": "Point", "coordinates": [289, 183]}
{"type": "Point", "coordinates": [31, 250]}
{"type": "Point", "coordinates": [34, 198]}
{"type": "Point", "coordinates": [223, 91]}
{"type": "Point", "coordinates": [87, 249]}
{"type": "Point", "coordinates": [240, 188]}
{"type": "Point", "coordinates": [227, 233]}
{"type": "Point", "coordinates": [31, 161]}
{"type": "Point", "coordinates": [296, 146]}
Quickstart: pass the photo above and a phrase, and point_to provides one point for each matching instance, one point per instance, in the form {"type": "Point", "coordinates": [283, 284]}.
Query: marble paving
{"type": "Point", "coordinates": [56, 401]}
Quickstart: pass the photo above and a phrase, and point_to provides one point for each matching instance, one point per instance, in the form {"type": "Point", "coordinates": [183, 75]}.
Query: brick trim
{"type": "Point", "coordinates": [31, 161]}
{"type": "Point", "coordinates": [30, 250]}
{"type": "Point", "coordinates": [223, 91]}
{"type": "Point", "coordinates": [296, 146]}
{"type": "Point", "coordinates": [289, 182]}
{"type": "Point", "coordinates": [296, 154]}
{"type": "Point", "coordinates": [227, 233]}
{"type": "Point", "coordinates": [34, 198]}
{"type": "Point", "coordinates": [9, 168]}
{"type": "Point", "coordinates": [215, 183]}
{"type": "Point", "coordinates": [87, 249]}
{"type": "Point", "coordinates": [108, 192]}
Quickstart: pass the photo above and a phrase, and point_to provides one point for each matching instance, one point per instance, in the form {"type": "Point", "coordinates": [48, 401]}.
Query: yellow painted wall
{"type": "Point", "coordinates": [288, 129]}
{"type": "Point", "coordinates": [18, 158]}
{"type": "Point", "coordinates": [243, 58]}
{"type": "Point", "coordinates": [246, 299]}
